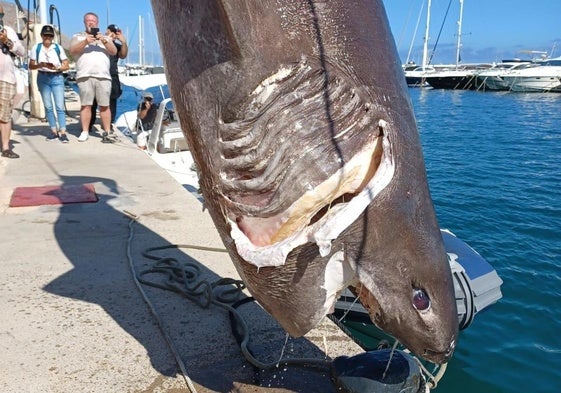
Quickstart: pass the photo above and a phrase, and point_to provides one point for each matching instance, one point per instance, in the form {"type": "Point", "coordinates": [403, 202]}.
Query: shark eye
{"type": "Point", "coordinates": [421, 300]}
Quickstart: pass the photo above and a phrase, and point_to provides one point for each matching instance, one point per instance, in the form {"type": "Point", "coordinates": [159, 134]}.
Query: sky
{"type": "Point", "coordinates": [491, 29]}
{"type": "Point", "coordinates": [123, 13]}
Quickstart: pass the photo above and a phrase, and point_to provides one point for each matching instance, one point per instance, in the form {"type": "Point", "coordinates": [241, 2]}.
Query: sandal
{"type": "Point", "coordinates": [9, 154]}
{"type": "Point", "coordinates": [105, 138]}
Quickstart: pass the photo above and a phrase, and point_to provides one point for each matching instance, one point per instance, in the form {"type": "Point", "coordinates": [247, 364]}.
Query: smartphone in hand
{"type": "Point", "coordinates": [94, 31]}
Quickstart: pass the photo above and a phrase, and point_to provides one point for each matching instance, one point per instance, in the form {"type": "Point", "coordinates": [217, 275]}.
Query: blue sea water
{"type": "Point", "coordinates": [494, 167]}
{"type": "Point", "coordinates": [131, 97]}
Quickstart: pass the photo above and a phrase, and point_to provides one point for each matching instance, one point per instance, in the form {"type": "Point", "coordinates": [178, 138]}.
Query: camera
{"type": "Point", "coordinates": [94, 31]}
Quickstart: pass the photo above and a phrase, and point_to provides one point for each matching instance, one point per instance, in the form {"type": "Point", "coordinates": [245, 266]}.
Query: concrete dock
{"type": "Point", "coordinates": [73, 318]}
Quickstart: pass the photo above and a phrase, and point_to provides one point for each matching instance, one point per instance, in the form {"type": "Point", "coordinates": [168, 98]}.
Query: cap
{"type": "Point", "coordinates": [113, 28]}
{"type": "Point", "coordinates": [48, 30]}
{"type": "Point", "coordinates": [147, 94]}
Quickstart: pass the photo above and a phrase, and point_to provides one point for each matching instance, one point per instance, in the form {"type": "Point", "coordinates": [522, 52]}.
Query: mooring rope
{"type": "Point", "coordinates": [183, 278]}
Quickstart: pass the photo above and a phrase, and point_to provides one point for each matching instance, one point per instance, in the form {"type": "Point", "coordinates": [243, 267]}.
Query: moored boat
{"type": "Point", "coordinates": [164, 142]}
{"type": "Point", "coordinates": [543, 77]}
{"type": "Point", "coordinates": [461, 78]}
{"type": "Point", "coordinates": [492, 79]}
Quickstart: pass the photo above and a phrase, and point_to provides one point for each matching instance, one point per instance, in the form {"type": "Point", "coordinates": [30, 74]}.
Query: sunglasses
{"type": "Point", "coordinates": [148, 99]}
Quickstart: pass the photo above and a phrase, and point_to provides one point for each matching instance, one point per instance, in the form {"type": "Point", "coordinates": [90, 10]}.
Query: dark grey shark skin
{"type": "Point", "coordinates": [278, 99]}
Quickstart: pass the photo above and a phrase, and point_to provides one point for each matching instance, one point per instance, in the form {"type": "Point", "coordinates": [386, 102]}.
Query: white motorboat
{"type": "Point", "coordinates": [416, 77]}
{"type": "Point", "coordinates": [476, 284]}
{"type": "Point", "coordinates": [492, 79]}
{"type": "Point", "coordinates": [543, 77]}
{"type": "Point", "coordinates": [165, 142]}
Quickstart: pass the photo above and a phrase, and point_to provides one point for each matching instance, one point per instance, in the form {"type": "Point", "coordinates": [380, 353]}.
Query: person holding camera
{"type": "Point", "coordinates": [147, 111]}
{"type": "Point", "coordinates": [11, 47]}
{"type": "Point", "coordinates": [92, 51]}
{"type": "Point", "coordinates": [50, 60]}
{"type": "Point", "coordinates": [122, 52]}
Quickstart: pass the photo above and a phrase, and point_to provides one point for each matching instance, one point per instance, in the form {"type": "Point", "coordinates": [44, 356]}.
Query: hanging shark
{"type": "Point", "coordinates": [299, 121]}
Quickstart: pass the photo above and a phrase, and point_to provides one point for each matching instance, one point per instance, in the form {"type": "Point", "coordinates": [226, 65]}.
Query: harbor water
{"type": "Point", "coordinates": [494, 167]}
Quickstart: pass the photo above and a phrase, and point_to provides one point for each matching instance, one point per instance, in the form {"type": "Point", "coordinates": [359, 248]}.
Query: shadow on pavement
{"type": "Point", "coordinates": [95, 238]}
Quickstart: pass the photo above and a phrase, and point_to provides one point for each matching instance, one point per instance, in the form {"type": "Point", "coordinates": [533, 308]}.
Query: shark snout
{"type": "Point", "coordinates": [440, 357]}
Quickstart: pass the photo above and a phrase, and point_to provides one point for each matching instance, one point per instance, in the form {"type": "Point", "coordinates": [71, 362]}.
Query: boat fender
{"type": "Point", "coordinates": [381, 371]}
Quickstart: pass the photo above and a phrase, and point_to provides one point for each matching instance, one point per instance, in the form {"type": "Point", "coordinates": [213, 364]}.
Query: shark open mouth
{"type": "Point", "coordinates": [301, 157]}
{"type": "Point", "coordinates": [320, 215]}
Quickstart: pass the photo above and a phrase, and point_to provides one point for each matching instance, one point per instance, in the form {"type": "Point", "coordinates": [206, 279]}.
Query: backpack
{"type": "Point", "coordinates": [57, 50]}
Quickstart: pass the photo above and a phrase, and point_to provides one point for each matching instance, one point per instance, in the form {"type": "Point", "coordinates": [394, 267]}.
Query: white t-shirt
{"type": "Point", "coordinates": [7, 67]}
{"type": "Point", "coordinates": [94, 60]}
{"type": "Point", "coordinates": [48, 55]}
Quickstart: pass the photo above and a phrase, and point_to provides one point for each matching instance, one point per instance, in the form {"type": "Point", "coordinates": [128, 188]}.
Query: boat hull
{"type": "Point", "coordinates": [491, 83]}
{"type": "Point", "coordinates": [534, 84]}
{"type": "Point", "coordinates": [452, 82]}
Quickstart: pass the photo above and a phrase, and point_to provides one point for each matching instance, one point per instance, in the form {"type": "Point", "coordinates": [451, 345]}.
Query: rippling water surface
{"type": "Point", "coordinates": [494, 168]}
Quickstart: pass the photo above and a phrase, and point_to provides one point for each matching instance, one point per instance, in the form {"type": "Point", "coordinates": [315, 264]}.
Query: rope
{"type": "Point", "coordinates": [431, 377]}
{"type": "Point", "coordinates": [183, 278]}
{"type": "Point", "coordinates": [167, 338]}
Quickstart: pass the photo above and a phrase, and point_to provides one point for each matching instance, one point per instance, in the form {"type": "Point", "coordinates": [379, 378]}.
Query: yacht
{"type": "Point", "coordinates": [492, 79]}
{"type": "Point", "coordinates": [462, 77]}
{"type": "Point", "coordinates": [544, 76]}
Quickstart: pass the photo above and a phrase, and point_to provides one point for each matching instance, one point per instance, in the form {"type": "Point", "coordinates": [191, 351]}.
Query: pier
{"type": "Point", "coordinates": [75, 319]}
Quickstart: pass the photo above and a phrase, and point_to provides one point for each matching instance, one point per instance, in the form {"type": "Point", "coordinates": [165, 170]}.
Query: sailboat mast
{"type": "Point", "coordinates": [43, 11]}
{"type": "Point", "coordinates": [426, 40]}
{"type": "Point", "coordinates": [458, 45]}
{"type": "Point", "coordinates": [140, 41]}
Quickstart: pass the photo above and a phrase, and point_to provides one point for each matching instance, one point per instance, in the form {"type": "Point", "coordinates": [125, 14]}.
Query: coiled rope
{"type": "Point", "coordinates": [184, 278]}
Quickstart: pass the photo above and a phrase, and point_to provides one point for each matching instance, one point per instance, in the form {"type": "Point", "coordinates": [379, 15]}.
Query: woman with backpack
{"type": "Point", "coordinates": [50, 60]}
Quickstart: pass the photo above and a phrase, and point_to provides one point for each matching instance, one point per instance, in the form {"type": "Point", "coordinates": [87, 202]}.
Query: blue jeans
{"type": "Point", "coordinates": [51, 86]}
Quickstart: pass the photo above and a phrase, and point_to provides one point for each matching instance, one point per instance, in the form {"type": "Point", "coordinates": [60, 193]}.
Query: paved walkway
{"type": "Point", "coordinates": [72, 318]}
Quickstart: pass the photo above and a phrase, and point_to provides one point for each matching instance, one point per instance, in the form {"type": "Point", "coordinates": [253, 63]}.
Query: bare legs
{"type": "Point", "coordinates": [6, 132]}
{"type": "Point", "coordinates": [105, 116]}
{"type": "Point", "coordinates": [85, 117]}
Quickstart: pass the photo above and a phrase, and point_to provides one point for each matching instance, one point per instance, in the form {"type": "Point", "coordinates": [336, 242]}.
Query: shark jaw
{"type": "Point", "coordinates": [364, 176]}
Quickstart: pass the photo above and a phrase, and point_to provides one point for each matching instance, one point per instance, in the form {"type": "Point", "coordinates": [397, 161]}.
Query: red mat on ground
{"type": "Point", "coordinates": [53, 195]}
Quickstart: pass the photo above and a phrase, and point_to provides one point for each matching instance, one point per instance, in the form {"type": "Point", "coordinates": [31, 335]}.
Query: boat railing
{"type": "Point", "coordinates": [166, 134]}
